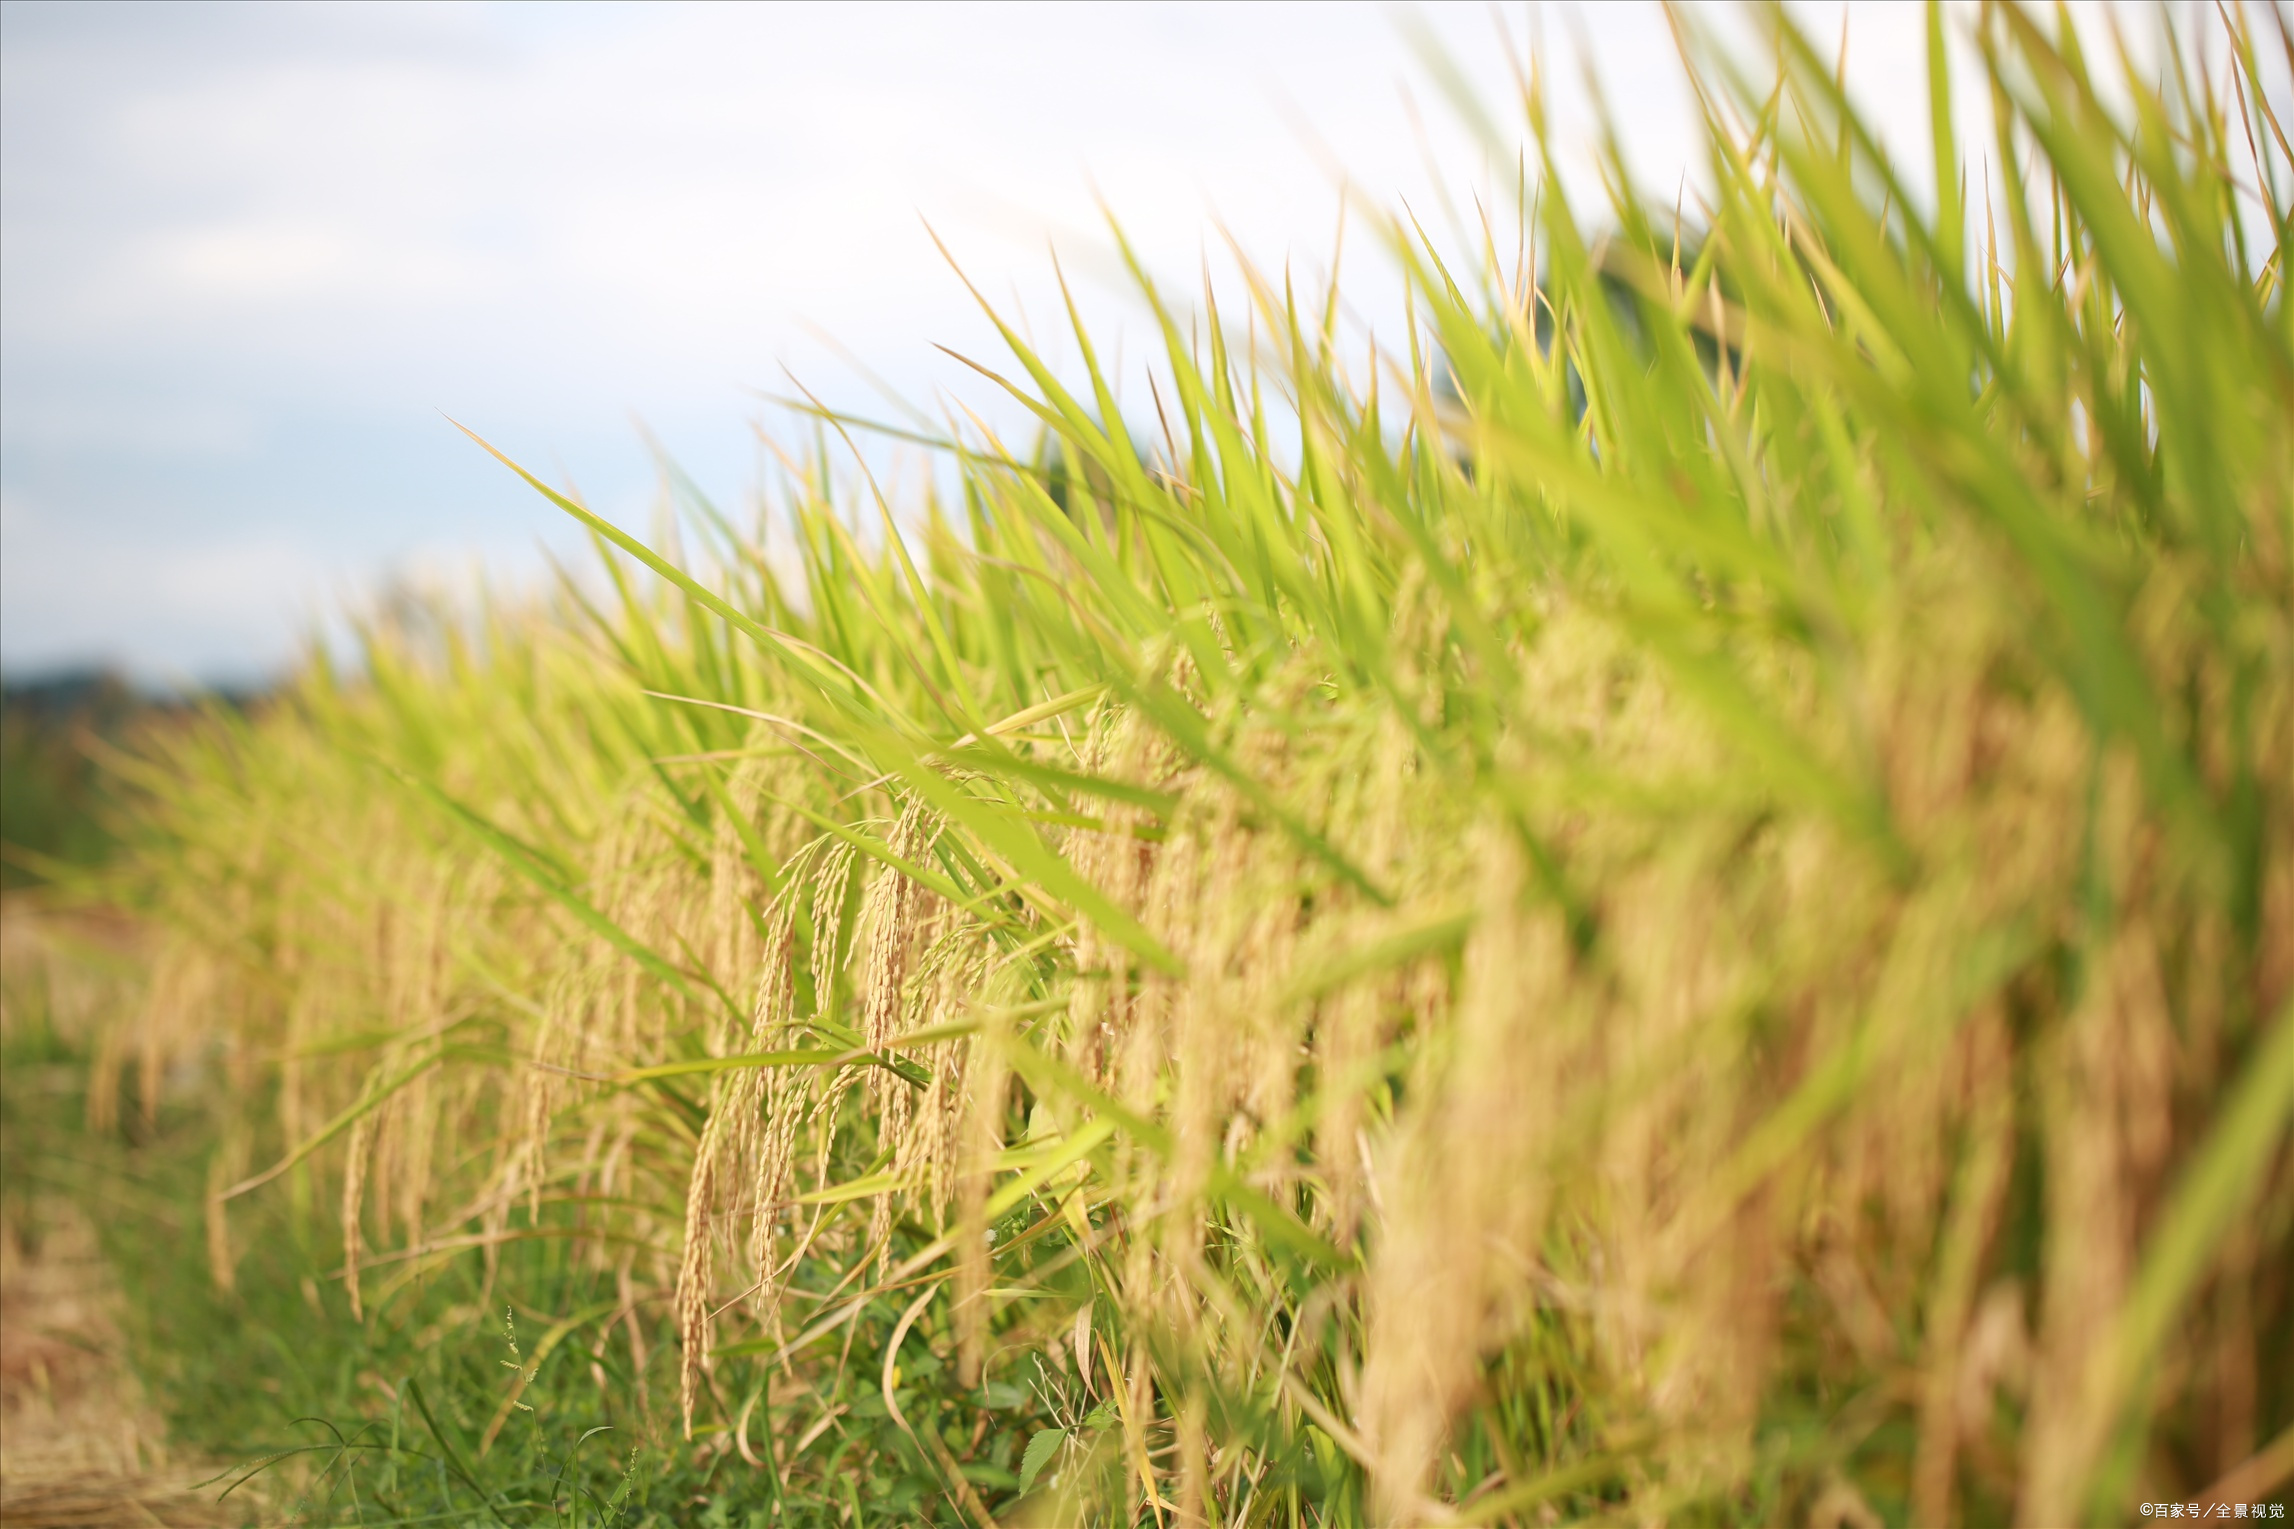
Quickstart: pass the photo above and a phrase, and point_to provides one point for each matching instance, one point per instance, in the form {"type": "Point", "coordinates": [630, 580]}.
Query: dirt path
{"type": "Point", "coordinates": [78, 1445]}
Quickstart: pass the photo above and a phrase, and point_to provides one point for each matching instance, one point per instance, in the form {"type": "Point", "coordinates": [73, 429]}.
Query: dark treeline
{"type": "Point", "coordinates": [57, 800]}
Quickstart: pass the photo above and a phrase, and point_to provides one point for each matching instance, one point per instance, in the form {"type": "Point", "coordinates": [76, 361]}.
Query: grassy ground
{"type": "Point", "coordinates": [1670, 905]}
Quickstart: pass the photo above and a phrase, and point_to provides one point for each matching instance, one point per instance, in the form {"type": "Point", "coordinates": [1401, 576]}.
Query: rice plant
{"type": "Point", "coordinates": [1671, 902]}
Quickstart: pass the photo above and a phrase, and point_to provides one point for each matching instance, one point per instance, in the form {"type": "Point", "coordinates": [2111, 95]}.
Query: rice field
{"type": "Point", "coordinates": [1668, 901]}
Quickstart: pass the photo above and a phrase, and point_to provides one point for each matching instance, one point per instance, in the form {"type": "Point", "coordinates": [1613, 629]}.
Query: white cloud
{"type": "Point", "coordinates": [276, 262]}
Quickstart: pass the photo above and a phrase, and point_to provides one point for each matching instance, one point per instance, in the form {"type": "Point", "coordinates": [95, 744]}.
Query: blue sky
{"type": "Point", "coordinates": [252, 257]}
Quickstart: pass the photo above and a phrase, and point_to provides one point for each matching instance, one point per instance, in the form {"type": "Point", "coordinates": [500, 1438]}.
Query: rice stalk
{"type": "Point", "coordinates": [1679, 904]}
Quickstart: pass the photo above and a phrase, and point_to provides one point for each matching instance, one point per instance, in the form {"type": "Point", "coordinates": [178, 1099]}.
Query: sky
{"type": "Point", "coordinates": [255, 261]}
